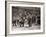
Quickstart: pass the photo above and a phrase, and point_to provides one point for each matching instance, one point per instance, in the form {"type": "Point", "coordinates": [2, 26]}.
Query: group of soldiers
{"type": "Point", "coordinates": [26, 18]}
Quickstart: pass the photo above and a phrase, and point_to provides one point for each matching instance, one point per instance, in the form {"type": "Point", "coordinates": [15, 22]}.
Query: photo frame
{"type": "Point", "coordinates": [24, 17]}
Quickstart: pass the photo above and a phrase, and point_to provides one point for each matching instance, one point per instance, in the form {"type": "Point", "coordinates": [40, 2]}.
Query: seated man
{"type": "Point", "coordinates": [21, 22]}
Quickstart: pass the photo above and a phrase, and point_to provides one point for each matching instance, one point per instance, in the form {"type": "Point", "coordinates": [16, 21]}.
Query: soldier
{"type": "Point", "coordinates": [33, 19]}
{"type": "Point", "coordinates": [29, 22]}
{"type": "Point", "coordinates": [14, 23]}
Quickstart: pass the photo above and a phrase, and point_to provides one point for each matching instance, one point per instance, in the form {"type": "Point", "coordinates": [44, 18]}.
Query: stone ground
{"type": "Point", "coordinates": [33, 27]}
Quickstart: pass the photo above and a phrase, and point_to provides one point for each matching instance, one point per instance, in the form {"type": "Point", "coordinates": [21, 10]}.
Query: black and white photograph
{"type": "Point", "coordinates": [25, 18]}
